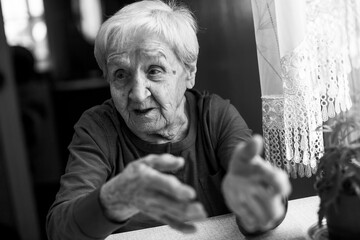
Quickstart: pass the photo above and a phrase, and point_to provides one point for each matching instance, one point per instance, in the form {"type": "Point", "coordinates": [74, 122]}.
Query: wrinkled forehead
{"type": "Point", "coordinates": [126, 39]}
{"type": "Point", "coordinates": [127, 56]}
{"type": "Point", "coordinates": [141, 44]}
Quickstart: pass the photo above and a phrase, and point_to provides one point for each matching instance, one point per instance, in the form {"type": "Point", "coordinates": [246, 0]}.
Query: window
{"type": "Point", "coordinates": [24, 25]}
{"type": "Point", "coordinates": [89, 16]}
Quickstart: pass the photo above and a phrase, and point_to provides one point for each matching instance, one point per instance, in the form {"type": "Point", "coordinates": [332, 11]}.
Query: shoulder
{"type": "Point", "coordinates": [102, 117]}
{"type": "Point", "coordinates": [217, 114]}
{"type": "Point", "coordinates": [211, 106]}
{"type": "Point", "coordinates": [105, 109]}
{"type": "Point", "coordinates": [97, 130]}
{"type": "Point", "coordinates": [207, 101]}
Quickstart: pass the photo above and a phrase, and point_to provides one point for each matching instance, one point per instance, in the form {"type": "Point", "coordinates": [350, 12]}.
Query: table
{"type": "Point", "coordinates": [301, 215]}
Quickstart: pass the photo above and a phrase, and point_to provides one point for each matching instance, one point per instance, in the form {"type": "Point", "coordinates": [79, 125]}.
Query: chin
{"type": "Point", "coordinates": [147, 127]}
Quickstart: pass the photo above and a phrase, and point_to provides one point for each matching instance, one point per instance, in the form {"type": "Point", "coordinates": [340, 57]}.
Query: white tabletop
{"type": "Point", "coordinates": [301, 215]}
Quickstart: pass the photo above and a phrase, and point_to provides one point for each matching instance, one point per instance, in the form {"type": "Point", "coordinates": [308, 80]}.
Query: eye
{"type": "Point", "coordinates": [155, 70]}
{"type": "Point", "coordinates": [120, 74]}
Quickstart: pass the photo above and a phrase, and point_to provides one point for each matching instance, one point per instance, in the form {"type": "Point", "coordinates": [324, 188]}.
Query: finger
{"type": "Point", "coordinates": [163, 204]}
{"type": "Point", "coordinates": [169, 220]}
{"type": "Point", "coordinates": [195, 211]}
{"type": "Point", "coordinates": [264, 201]}
{"type": "Point", "coordinates": [162, 215]}
{"type": "Point", "coordinates": [275, 180]}
{"type": "Point", "coordinates": [178, 225]}
{"type": "Point", "coordinates": [275, 210]}
{"type": "Point", "coordinates": [283, 182]}
{"type": "Point", "coordinates": [236, 199]}
{"type": "Point", "coordinates": [245, 152]}
{"type": "Point", "coordinates": [246, 219]}
{"type": "Point", "coordinates": [251, 201]}
{"type": "Point", "coordinates": [272, 178]}
{"type": "Point", "coordinates": [168, 184]}
{"type": "Point", "coordinates": [258, 210]}
{"type": "Point", "coordinates": [266, 206]}
{"type": "Point", "coordinates": [279, 209]}
{"type": "Point", "coordinates": [163, 162]}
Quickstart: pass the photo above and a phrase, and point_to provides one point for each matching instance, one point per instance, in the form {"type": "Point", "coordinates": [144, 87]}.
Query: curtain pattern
{"type": "Point", "coordinates": [306, 51]}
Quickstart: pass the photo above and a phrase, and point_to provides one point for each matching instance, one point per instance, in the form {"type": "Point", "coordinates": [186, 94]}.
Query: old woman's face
{"type": "Point", "coordinates": [147, 83]}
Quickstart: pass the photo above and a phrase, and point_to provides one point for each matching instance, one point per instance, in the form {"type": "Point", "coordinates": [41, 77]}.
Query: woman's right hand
{"type": "Point", "coordinates": [143, 187]}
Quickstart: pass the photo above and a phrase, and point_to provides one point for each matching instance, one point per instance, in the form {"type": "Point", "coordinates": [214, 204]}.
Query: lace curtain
{"type": "Point", "coordinates": [306, 51]}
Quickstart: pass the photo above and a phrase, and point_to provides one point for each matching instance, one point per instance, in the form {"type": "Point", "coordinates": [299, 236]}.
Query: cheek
{"type": "Point", "coordinates": [119, 97]}
{"type": "Point", "coordinates": [165, 94]}
{"type": "Point", "coordinates": [175, 89]}
{"type": "Point", "coordinates": [179, 90]}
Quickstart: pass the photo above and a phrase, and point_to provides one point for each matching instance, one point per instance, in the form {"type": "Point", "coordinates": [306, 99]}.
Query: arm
{"type": "Point", "coordinates": [254, 190]}
{"type": "Point", "coordinates": [249, 181]}
{"type": "Point", "coordinates": [76, 212]}
{"type": "Point", "coordinates": [93, 201]}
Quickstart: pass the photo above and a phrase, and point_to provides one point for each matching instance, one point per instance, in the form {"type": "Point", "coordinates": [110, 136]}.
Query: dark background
{"type": "Point", "coordinates": [227, 66]}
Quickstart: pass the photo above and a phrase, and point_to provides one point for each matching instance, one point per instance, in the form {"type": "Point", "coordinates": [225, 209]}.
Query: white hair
{"type": "Point", "coordinates": [175, 24]}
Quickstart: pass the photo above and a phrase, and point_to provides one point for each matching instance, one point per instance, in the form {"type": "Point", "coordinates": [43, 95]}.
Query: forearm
{"type": "Point", "coordinates": [81, 218]}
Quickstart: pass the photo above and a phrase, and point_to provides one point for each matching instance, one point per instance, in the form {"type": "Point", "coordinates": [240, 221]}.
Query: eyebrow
{"type": "Point", "coordinates": [116, 57]}
{"type": "Point", "coordinates": [154, 53]}
{"type": "Point", "coordinates": [148, 53]}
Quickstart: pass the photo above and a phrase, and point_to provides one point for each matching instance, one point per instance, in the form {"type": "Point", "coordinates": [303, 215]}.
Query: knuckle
{"type": "Point", "coordinates": [137, 167]}
{"type": "Point", "coordinates": [165, 155]}
{"type": "Point", "coordinates": [140, 171]}
{"type": "Point", "coordinates": [148, 158]}
{"type": "Point", "coordinates": [151, 156]}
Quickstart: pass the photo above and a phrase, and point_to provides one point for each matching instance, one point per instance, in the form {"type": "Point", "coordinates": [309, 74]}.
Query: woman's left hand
{"type": "Point", "coordinates": [253, 189]}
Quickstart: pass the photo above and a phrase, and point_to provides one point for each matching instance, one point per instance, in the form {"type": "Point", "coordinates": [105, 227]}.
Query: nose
{"type": "Point", "coordinates": [140, 88]}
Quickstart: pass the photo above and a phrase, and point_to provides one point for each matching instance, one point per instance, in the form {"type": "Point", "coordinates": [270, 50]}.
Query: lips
{"type": "Point", "coordinates": [142, 111]}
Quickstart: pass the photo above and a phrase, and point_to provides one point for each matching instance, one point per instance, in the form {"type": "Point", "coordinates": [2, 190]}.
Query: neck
{"type": "Point", "coordinates": [175, 131]}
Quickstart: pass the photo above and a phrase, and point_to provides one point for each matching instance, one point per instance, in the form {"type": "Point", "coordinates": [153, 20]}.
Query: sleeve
{"type": "Point", "coordinates": [228, 128]}
{"type": "Point", "coordinates": [76, 212]}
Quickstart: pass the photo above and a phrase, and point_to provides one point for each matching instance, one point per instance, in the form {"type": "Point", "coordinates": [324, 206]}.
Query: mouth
{"type": "Point", "coordinates": [142, 111]}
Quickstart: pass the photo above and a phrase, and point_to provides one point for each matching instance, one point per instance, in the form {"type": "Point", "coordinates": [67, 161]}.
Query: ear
{"type": "Point", "coordinates": [191, 73]}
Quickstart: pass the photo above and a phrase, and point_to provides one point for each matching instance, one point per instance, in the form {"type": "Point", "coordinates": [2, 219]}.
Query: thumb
{"type": "Point", "coordinates": [245, 152]}
{"type": "Point", "coordinates": [163, 162]}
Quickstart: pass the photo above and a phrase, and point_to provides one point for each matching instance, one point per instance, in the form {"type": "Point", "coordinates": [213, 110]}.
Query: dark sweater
{"type": "Point", "coordinates": [102, 146]}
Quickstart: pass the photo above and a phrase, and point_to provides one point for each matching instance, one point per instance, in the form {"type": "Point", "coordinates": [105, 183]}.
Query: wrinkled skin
{"type": "Point", "coordinates": [143, 187]}
{"type": "Point", "coordinates": [253, 189]}
{"type": "Point", "coordinates": [148, 84]}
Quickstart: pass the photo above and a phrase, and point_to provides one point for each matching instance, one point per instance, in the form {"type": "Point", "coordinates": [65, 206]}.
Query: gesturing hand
{"type": "Point", "coordinates": [142, 187]}
{"type": "Point", "coordinates": [253, 189]}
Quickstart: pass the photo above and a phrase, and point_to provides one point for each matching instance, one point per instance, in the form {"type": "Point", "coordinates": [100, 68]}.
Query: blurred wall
{"type": "Point", "coordinates": [227, 61]}
{"type": "Point", "coordinates": [71, 55]}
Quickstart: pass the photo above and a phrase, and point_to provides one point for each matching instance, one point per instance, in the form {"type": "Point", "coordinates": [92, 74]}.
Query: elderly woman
{"type": "Point", "coordinates": [159, 152]}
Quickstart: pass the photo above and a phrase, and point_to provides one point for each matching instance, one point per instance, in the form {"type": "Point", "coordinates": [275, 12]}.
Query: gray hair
{"type": "Point", "coordinates": [174, 23]}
